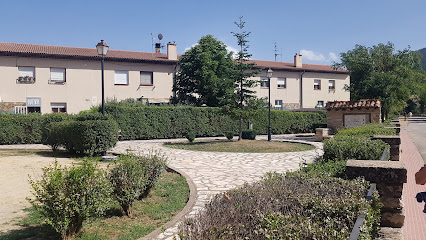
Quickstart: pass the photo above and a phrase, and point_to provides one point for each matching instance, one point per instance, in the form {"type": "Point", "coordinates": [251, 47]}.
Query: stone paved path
{"type": "Point", "coordinates": [215, 172]}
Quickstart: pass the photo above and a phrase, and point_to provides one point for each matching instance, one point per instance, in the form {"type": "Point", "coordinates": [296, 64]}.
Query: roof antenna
{"type": "Point", "coordinates": [276, 52]}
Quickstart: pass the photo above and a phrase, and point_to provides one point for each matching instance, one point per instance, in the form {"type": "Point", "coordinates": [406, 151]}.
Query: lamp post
{"type": "Point", "coordinates": [269, 75]}
{"type": "Point", "coordinates": [102, 49]}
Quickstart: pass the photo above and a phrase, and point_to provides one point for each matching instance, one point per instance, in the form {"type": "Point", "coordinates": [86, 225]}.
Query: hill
{"type": "Point", "coordinates": [423, 52]}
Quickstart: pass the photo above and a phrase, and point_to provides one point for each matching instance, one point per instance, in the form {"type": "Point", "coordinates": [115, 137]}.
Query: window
{"type": "Point", "coordinates": [331, 85]}
{"type": "Point", "coordinates": [278, 104]}
{"type": "Point", "coordinates": [264, 83]}
{"type": "Point", "coordinates": [121, 78]}
{"type": "Point", "coordinates": [320, 104]}
{"type": "Point", "coordinates": [59, 107]}
{"type": "Point", "coordinates": [146, 78]}
{"type": "Point", "coordinates": [26, 74]}
{"type": "Point", "coordinates": [57, 75]}
{"type": "Point", "coordinates": [317, 84]}
{"type": "Point", "coordinates": [281, 83]}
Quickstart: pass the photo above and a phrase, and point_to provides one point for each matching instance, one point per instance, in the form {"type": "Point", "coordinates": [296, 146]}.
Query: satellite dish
{"type": "Point", "coordinates": [160, 36]}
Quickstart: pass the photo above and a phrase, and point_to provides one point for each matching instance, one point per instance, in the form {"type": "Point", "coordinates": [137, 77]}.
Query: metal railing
{"type": "Point", "coordinates": [360, 220]}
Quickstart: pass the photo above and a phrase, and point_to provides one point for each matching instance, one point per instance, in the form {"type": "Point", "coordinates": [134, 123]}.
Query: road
{"type": "Point", "coordinates": [416, 129]}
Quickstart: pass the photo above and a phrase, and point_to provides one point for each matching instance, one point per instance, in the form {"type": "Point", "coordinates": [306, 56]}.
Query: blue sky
{"type": "Point", "coordinates": [320, 30]}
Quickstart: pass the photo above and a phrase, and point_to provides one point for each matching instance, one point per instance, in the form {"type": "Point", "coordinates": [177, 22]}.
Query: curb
{"type": "Point", "coordinates": [181, 215]}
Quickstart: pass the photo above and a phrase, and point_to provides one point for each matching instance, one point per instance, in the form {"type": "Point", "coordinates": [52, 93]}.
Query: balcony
{"type": "Point", "coordinates": [26, 79]}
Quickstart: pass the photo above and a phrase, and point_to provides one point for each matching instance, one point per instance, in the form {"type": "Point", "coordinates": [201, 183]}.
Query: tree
{"type": "Point", "coordinates": [246, 100]}
{"type": "Point", "coordinates": [205, 74]}
{"type": "Point", "coordinates": [378, 72]}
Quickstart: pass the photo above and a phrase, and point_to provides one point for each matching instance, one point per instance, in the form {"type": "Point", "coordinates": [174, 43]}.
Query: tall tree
{"type": "Point", "coordinates": [383, 73]}
{"type": "Point", "coordinates": [243, 81]}
{"type": "Point", "coordinates": [205, 74]}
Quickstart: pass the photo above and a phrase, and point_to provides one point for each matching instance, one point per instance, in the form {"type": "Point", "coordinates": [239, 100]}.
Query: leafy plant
{"type": "Point", "coordinates": [129, 179]}
{"type": "Point", "coordinates": [67, 197]}
{"type": "Point", "coordinates": [249, 134]}
{"type": "Point", "coordinates": [190, 136]}
{"type": "Point", "coordinates": [155, 164]}
{"type": "Point", "coordinates": [229, 135]}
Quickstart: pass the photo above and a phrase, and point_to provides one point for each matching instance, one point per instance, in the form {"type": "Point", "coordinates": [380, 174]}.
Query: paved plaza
{"type": "Point", "coordinates": [216, 172]}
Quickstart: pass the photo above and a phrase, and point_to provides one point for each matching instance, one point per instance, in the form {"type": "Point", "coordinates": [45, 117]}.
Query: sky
{"type": "Point", "coordinates": [318, 29]}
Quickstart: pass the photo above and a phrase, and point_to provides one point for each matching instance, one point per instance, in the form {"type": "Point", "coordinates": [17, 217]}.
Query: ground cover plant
{"type": "Point", "coordinates": [247, 146]}
{"type": "Point", "coordinates": [293, 206]}
{"type": "Point", "coordinates": [166, 199]}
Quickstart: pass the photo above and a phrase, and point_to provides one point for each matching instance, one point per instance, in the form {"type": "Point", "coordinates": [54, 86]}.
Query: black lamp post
{"type": "Point", "coordinates": [269, 75]}
{"type": "Point", "coordinates": [102, 49]}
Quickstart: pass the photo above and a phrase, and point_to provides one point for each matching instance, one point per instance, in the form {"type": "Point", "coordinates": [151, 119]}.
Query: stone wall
{"type": "Point", "coordinates": [389, 177]}
{"type": "Point", "coordinates": [10, 106]}
{"type": "Point", "coordinates": [335, 117]}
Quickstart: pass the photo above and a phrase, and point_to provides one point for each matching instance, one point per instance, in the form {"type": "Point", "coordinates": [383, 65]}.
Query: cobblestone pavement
{"type": "Point", "coordinates": [216, 172]}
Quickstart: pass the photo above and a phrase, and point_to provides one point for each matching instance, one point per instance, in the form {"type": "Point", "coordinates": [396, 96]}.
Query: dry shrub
{"type": "Point", "coordinates": [297, 206]}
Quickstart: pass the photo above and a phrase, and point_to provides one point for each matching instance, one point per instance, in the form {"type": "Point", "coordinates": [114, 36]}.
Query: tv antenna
{"type": "Point", "coordinates": [276, 52]}
{"type": "Point", "coordinates": [157, 45]}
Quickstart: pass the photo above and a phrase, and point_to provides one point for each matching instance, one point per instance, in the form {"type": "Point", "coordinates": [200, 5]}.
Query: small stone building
{"type": "Point", "coordinates": [348, 114]}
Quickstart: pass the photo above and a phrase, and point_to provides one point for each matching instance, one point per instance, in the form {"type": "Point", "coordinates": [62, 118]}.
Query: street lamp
{"type": "Point", "coordinates": [102, 49]}
{"type": "Point", "coordinates": [269, 75]}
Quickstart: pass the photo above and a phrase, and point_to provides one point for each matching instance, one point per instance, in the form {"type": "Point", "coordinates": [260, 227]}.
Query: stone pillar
{"type": "Point", "coordinates": [321, 133]}
{"type": "Point", "coordinates": [394, 142]}
{"type": "Point", "coordinates": [389, 177]}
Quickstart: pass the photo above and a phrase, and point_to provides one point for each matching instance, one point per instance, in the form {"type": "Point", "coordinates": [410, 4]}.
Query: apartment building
{"type": "Point", "coordinates": [40, 78]}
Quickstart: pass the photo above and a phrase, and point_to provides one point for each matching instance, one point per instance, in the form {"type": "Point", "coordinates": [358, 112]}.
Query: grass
{"type": "Point", "coordinates": [245, 146]}
{"type": "Point", "coordinates": [44, 153]}
{"type": "Point", "coordinates": [167, 198]}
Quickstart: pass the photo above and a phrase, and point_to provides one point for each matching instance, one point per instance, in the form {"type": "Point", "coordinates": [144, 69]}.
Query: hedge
{"type": "Point", "coordinates": [90, 137]}
{"type": "Point", "coordinates": [139, 122]}
{"type": "Point", "coordinates": [174, 122]}
{"type": "Point", "coordinates": [294, 206]}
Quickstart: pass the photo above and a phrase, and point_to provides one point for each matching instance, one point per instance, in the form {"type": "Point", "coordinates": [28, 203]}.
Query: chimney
{"type": "Point", "coordinates": [171, 51]}
{"type": "Point", "coordinates": [298, 60]}
{"type": "Point", "coordinates": [157, 47]}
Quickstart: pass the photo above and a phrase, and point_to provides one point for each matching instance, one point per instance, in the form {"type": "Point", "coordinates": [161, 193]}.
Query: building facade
{"type": "Point", "coordinates": [40, 78]}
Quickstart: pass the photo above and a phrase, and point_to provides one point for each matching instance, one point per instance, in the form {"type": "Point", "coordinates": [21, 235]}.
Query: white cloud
{"type": "Point", "coordinates": [312, 56]}
{"type": "Point", "coordinates": [333, 57]}
{"type": "Point", "coordinates": [228, 48]}
{"type": "Point", "coordinates": [318, 57]}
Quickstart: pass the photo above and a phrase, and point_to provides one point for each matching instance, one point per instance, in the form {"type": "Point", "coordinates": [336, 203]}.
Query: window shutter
{"type": "Point", "coordinates": [57, 74]}
{"type": "Point", "coordinates": [281, 82]}
{"type": "Point", "coordinates": [26, 71]}
{"type": "Point", "coordinates": [146, 78]}
{"type": "Point", "coordinates": [121, 77]}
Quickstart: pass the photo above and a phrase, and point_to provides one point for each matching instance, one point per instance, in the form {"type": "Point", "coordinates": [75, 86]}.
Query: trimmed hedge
{"type": "Point", "coordinates": [174, 122]}
{"type": "Point", "coordinates": [368, 130]}
{"type": "Point", "coordinates": [294, 206]}
{"type": "Point", "coordinates": [90, 137]}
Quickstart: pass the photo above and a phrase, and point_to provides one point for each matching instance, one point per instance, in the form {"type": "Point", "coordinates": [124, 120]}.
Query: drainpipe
{"type": "Point", "coordinates": [301, 89]}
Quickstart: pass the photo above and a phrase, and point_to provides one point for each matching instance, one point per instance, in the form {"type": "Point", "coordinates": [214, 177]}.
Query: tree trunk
{"type": "Point", "coordinates": [240, 129]}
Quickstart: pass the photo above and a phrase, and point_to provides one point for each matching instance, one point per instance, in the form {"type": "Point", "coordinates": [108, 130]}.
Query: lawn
{"type": "Point", "coordinates": [165, 201]}
{"type": "Point", "coordinates": [245, 146]}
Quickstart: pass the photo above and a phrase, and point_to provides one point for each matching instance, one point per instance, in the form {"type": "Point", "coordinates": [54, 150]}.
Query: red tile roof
{"type": "Point", "coordinates": [91, 53]}
{"type": "Point", "coordinates": [291, 67]}
{"type": "Point", "coordinates": [79, 52]}
{"type": "Point", "coordinates": [363, 103]}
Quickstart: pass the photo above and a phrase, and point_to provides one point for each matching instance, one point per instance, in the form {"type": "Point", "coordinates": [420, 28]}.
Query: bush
{"type": "Point", "coordinates": [353, 147]}
{"type": "Point", "coordinates": [297, 206]}
{"type": "Point", "coordinates": [190, 136]}
{"type": "Point", "coordinates": [368, 130]}
{"type": "Point", "coordinates": [66, 197]}
{"type": "Point", "coordinates": [20, 129]}
{"type": "Point", "coordinates": [249, 134]}
{"type": "Point", "coordinates": [129, 179]}
{"type": "Point", "coordinates": [229, 135]}
{"type": "Point", "coordinates": [90, 137]}
{"type": "Point", "coordinates": [154, 163]}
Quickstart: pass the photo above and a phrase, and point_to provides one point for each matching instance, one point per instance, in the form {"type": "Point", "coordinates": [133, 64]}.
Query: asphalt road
{"type": "Point", "coordinates": [417, 132]}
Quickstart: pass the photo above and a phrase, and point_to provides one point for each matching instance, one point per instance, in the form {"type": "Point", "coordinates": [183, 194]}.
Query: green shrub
{"type": "Point", "coordinates": [20, 129]}
{"type": "Point", "coordinates": [353, 147]}
{"type": "Point", "coordinates": [249, 134]}
{"type": "Point", "coordinates": [331, 168]}
{"type": "Point", "coordinates": [66, 197]}
{"type": "Point", "coordinates": [129, 179]}
{"type": "Point", "coordinates": [296, 206]}
{"type": "Point", "coordinates": [229, 135]}
{"type": "Point", "coordinates": [190, 136]}
{"type": "Point", "coordinates": [368, 130]}
{"type": "Point", "coordinates": [90, 137]}
{"type": "Point", "coordinates": [154, 164]}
